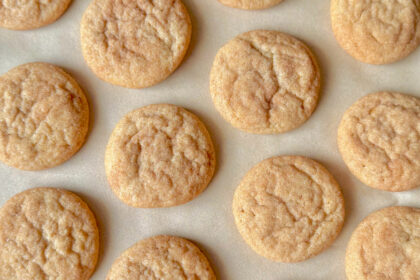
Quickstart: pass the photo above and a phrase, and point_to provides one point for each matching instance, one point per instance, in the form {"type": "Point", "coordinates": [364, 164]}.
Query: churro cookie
{"type": "Point", "coordinates": [162, 257]}
{"type": "Point", "coordinates": [288, 208]}
{"type": "Point", "coordinates": [47, 233]}
{"type": "Point", "coordinates": [135, 44]}
{"type": "Point", "coordinates": [386, 245]}
{"type": "Point", "coordinates": [30, 14]}
{"type": "Point", "coordinates": [265, 82]}
{"type": "Point", "coordinates": [44, 116]}
{"type": "Point", "coordinates": [159, 156]}
{"type": "Point", "coordinates": [379, 140]}
{"type": "Point", "coordinates": [250, 4]}
{"type": "Point", "coordinates": [376, 32]}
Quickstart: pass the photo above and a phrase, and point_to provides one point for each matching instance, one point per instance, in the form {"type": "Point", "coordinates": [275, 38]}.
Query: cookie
{"type": "Point", "coordinates": [386, 245]}
{"type": "Point", "coordinates": [44, 118]}
{"type": "Point", "coordinates": [250, 4]}
{"type": "Point", "coordinates": [288, 208]}
{"type": "Point", "coordinates": [379, 140]}
{"type": "Point", "coordinates": [376, 32]}
{"type": "Point", "coordinates": [30, 14]}
{"type": "Point", "coordinates": [162, 257]}
{"type": "Point", "coordinates": [265, 82]}
{"type": "Point", "coordinates": [135, 44]}
{"type": "Point", "coordinates": [47, 233]}
{"type": "Point", "coordinates": [159, 156]}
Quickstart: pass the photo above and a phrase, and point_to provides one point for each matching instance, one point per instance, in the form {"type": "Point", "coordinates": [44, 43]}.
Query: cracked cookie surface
{"type": "Point", "coordinates": [379, 140]}
{"type": "Point", "coordinates": [30, 14]}
{"type": "Point", "coordinates": [250, 4]}
{"type": "Point", "coordinates": [135, 44]}
{"type": "Point", "coordinates": [288, 208]}
{"type": "Point", "coordinates": [265, 82]}
{"type": "Point", "coordinates": [162, 257]}
{"type": "Point", "coordinates": [44, 116]}
{"type": "Point", "coordinates": [376, 31]}
{"type": "Point", "coordinates": [160, 155]}
{"type": "Point", "coordinates": [386, 245]}
{"type": "Point", "coordinates": [47, 233]}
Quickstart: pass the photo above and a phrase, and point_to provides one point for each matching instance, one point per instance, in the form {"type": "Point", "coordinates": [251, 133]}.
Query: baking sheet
{"type": "Point", "coordinates": [208, 219]}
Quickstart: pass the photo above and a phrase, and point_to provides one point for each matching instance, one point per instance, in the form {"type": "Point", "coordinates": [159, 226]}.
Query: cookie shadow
{"type": "Point", "coordinates": [344, 179]}
{"type": "Point", "coordinates": [100, 212]}
{"type": "Point", "coordinates": [215, 262]}
{"type": "Point", "coordinates": [196, 27]}
{"type": "Point", "coordinates": [195, 14]}
{"type": "Point", "coordinates": [87, 89]}
{"type": "Point", "coordinates": [216, 136]}
{"type": "Point", "coordinates": [324, 68]}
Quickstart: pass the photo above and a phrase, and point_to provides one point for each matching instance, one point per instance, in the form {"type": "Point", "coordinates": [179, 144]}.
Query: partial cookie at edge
{"type": "Point", "coordinates": [250, 4]}
{"type": "Point", "coordinates": [169, 257]}
{"type": "Point", "coordinates": [32, 14]}
{"type": "Point", "coordinates": [376, 32]}
{"type": "Point", "coordinates": [387, 242]}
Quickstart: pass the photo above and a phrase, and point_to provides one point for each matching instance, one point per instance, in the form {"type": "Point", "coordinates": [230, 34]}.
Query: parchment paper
{"type": "Point", "coordinates": [208, 219]}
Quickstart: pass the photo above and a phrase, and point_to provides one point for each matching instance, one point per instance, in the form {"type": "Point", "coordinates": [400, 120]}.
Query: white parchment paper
{"type": "Point", "coordinates": [208, 219]}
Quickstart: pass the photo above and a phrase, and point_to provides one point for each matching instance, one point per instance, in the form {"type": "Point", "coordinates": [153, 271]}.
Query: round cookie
{"type": "Point", "coordinates": [376, 32]}
{"type": "Point", "coordinates": [159, 156]}
{"type": "Point", "coordinates": [47, 233]}
{"type": "Point", "coordinates": [288, 208]}
{"type": "Point", "coordinates": [162, 257]}
{"type": "Point", "coordinates": [265, 82]}
{"type": "Point", "coordinates": [30, 14]}
{"type": "Point", "coordinates": [379, 140]}
{"type": "Point", "coordinates": [250, 4]}
{"type": "Point", "coordinates": [135, 44]}
{"type": "Point", "coordinates": [386, 245]}
{"type": "Point", "coordinates": [44, 118]}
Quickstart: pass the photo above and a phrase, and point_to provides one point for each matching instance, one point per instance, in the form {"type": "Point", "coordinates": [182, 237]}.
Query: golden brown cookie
{"type": "Point", "coordinates": [159, 156]}
{"type": "Point", "coordinates": [379, 140]}
{"type": "Point", "coordinates": [162, 257]}
{"type": "Point", "coordinates": [135, 44]}
{"type": "Point", "coordinates": [376, 32]}
{"type": "Point", "coordinates": [288, 208]}
{"type": "Point", "coordinates": [250, 4]}
{"type": "Point", "coordinates": [265, 82]}
{"type": "Point", "coordinates": [44, 117]}
{"type": "Point", "coordinates": [30, 14]}
{"type": "Point", "coordinates": [47, 233]}
{"type": "Point", "coordinates": [386, 245]}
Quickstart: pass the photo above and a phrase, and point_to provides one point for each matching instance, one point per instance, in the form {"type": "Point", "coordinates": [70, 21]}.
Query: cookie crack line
{"type": "Point", "coordinates": [269, 100]}
{"type": "Point", "coordinates": [270, 57]}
